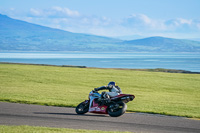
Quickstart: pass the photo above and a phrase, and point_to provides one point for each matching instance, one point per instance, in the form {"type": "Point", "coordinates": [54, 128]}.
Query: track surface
{"type": "Point", "coordinates": [35, 115]}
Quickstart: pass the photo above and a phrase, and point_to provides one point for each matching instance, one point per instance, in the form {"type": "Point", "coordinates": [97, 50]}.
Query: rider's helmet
{"type": "Point", "coordinates": [111, 84]}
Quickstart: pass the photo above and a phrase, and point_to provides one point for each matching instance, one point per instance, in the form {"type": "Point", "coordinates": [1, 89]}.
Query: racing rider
{"type": "Point", "coordinates": [113, 91]}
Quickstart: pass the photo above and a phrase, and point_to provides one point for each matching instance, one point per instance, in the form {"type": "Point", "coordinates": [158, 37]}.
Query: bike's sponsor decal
{"type": "Point", "coordinates": [98, 109]}
{"type": "Point", "coordinates": [102, 108]}
{"type": "Point", "coordinates": [92, 109]}
{"type": "Point", "coordinates": [95, 109]}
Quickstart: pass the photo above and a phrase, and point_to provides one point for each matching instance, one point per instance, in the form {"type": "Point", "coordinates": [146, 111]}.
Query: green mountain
{"type": "Point", "coordinates": [161, 44]}
{"type": "Point", "coordinates": [20, 35]}
{"type": "Point", "coordinates": [23, 36]}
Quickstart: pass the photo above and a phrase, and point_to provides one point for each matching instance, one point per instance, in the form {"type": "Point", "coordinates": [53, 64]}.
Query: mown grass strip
{"type": "Point", "coordinates": [36, 129]}
{"type": "Point", "coordinates": [156, 92]}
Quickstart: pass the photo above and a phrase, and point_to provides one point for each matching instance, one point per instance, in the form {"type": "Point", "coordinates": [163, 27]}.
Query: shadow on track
{"type": "Point", "coordinates": [100, 115]}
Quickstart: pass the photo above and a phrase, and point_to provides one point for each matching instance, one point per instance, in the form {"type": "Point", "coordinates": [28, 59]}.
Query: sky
{"type": "Point", "coordinates": [112, 18]}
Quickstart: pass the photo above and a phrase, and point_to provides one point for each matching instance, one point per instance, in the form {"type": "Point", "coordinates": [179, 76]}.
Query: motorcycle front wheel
{"type": "Point", "coordinates": [82, 108]}
{"type": "Point", "coordinates": [117, 109]}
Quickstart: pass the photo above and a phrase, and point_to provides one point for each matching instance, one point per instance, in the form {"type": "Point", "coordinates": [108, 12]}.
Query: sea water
{"type": "Point", "coordinates": [179, 61]}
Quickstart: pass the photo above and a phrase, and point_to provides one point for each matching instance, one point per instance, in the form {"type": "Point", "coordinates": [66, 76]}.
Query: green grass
{"type": "Point", "coordinates": [156, 92]}
{"type": "Point", "coordinates": [31, 129]}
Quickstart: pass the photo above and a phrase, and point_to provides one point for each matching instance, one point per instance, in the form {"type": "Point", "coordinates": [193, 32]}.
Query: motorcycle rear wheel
{"type": "Point", "coordinates": [82, 108]}
{"type": "Point", "coordinates": [117, 109]}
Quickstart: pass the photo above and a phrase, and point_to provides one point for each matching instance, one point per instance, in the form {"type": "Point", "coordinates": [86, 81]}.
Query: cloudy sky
{"type": "Point", "coordinates": [167, 18]}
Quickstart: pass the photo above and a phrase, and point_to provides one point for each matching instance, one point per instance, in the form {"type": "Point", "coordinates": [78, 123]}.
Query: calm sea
{"type": "Point", "coordinates": [180, 61]}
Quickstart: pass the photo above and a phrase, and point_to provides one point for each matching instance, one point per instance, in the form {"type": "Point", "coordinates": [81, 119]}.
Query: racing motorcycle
{"type": "Point", "coordinates": [115, 106]}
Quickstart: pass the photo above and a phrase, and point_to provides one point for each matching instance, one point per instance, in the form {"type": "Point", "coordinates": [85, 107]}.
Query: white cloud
{"type": "Point", "coordinates": [136, 20]}
{"type": "Point", "coordinates": [36, 12]}
{"type": "Point", "coordinates": [72, 20]}
{"type": "Point", "coordinates": [54, 12]}
{"type": "Point", "coordinates": [144, 25]}
{"type": "Point", "coordinates": [143, 22]}
{"type": "Point", "coordinates": [196, 23]}
{"type": "Point", "coordinates": [66, 11]}
{"type": "Point", "coordinates": [185, 21]}
{"type": "Point", "coordinates": [143, 18]}
{"type": "Point", "coordinates": [178, 22]}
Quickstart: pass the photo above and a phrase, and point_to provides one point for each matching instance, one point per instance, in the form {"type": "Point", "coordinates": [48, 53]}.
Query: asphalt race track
{"type": "Point", "coordinates": [35, 115]}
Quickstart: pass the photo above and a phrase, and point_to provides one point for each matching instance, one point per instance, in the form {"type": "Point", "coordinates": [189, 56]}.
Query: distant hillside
{"type": "Point", "coordinates": [162, 44]}
{"type": "Point", "coordinates": [23, 36]}
{"type": "Point", "coordinates": [20, 35]}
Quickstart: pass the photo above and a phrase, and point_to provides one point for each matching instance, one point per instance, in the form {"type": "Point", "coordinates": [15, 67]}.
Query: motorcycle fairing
{"type": "Point", "coordinates": [94, 106]}
{"type": "Point", "coordinates": [124, 97]}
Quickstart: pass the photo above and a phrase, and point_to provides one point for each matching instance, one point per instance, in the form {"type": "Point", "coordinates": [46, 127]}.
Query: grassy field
{"type": "Point", "coordinates": [156, 92]}
{"type": "Point", "coordinates": [30, 129]}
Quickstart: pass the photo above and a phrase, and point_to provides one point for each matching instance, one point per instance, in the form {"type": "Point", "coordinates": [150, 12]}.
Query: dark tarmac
{"type": "Point", "coordinates": [61, 117]}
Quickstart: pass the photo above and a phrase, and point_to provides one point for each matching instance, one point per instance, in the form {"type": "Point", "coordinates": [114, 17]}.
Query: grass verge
{"type": "Point", "coordinates": [36, 129]}
{"type": "Point", "coordinates": [156, 92]}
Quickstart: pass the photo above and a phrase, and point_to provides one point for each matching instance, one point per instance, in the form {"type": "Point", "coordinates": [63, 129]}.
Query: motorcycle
{"type": "Point", "coordinates": [115, 106]}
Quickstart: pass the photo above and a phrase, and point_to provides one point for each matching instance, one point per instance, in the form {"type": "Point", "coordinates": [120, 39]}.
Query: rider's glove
{"type": "Point", "coordinates": [96, 89]}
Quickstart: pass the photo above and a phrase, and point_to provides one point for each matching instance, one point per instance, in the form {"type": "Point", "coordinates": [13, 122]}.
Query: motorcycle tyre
{"type": "Point", "coordinates": [85, 110]}
{"type": "Point", "coordinates": [119, 112]}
